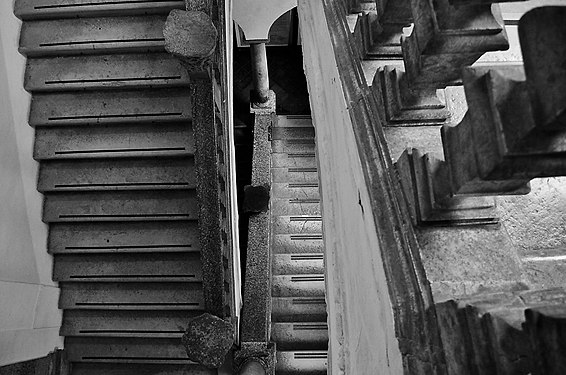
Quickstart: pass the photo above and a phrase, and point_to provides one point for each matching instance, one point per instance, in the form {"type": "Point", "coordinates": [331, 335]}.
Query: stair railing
{"type": "Point", "coordinates": [201, 38]}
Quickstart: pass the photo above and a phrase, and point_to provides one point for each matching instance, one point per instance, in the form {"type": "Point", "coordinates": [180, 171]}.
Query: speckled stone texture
{"type": "Point", "coordinates": [257, 293]}
{"type": "Point", "coordinates": [208, 339]}
{"type": "Point", "coordinates": [189, 34]}
{"type": "Point", "coordinates": [259, 352]}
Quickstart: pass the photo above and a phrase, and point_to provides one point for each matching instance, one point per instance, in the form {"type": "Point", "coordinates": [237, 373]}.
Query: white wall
{"type": "Point", "coordinates": [29, 318]}
{"type": "Point", "coordinates": [362, 338]}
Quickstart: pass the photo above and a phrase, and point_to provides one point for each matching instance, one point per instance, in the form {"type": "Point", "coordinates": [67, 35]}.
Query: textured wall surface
{"type": "Point", "coordinates": [29, 318]}
{"type": "Point", "coordinates": [360, 309]}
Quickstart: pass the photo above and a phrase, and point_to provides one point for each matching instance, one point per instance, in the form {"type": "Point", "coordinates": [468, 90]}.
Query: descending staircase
{"type": "Point", "coordinates": [112, 115]}
{"type": "Point", "coordinates": [298, 316]}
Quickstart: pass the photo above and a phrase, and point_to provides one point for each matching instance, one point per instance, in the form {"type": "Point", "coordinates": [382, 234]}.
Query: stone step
{"type": "Point", "coordinates": [294, 206]}
{"type": "Point", "coordinates": [125, 268]}
{"type": "Point", "coordinates": [300, 335]}
{"type": "Point", "coordinates": [297, 159]}
{"type": "Point", "coordinates": [297, 224]}
{"type": "Point", "coordinates": [296, 264]}
{"type": "Point", "coordinates": [298, 309]}
{"type": "Point", "coordinates": [117, 174]}
{"type": "Point", "coordinates": [96, 72]}
{"type": "Point", "coordinates": [294, 132]}
{"type": "Point", "coordinates": [92, 35]}
{"type": "Point", "coordinates": [312, 362]}
{"type": "Point", "coordinates": [139, 369]}
{"type": "Point", "coordinates": [37, 9]}
{"type": "Point", "coordinates": [300, 121]}
{"type": "Point", "coordinates": [298, 243]}
{"type": "Point", "coordinates": [123, 237]}
{"type": "Point", "coordinates": [435, 57]}
{"type": "Point", "coordinates": [295, 174]}
{"type": "Point", "coordinates": [123, 323]}
{"type": "Point", "coordinates": [295, 190]}
{"type": "Point", "coordinates": [126, 350]}
{"type": "Point", "coordinates": [297, 285]}
{"type": "Point", "coordinates": [131, 296]}
{"type": "Point", "coordinates": [293, 146]}
{"type": "Point", "coordinates": [112, 141]}
{"type": "Point", "coordinates": [111, 107]}
{"type": "Point", "coordinates": [120, 206]}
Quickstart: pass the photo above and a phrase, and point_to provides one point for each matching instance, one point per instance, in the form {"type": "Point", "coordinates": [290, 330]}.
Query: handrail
{"type": "Point", "coordinates": [256, 313]}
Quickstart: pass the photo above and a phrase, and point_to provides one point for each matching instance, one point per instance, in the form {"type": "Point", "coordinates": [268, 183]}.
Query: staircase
{"type": "Point", "coordinates": [298, 318]}
{"type": "Point", "coordinates": [112, 118]}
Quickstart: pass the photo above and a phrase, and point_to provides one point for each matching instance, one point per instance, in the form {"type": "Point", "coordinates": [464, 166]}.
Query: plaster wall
{"type": "Point", "coordinates": [29, 318]}
{"type": "Point", "coordinates": [358, 302]}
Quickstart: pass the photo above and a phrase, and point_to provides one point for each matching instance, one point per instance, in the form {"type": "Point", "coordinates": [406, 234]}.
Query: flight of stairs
{"type": "Point", "coordinates": [112, 116]}
{"type": "Point", "coordinates": [299, 326]}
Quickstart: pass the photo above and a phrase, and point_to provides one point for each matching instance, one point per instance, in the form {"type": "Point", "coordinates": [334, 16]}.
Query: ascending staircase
{"type": "Point", "coordinates": [112, 114]}
{"type": "Point", "coordinates": [299, 326]}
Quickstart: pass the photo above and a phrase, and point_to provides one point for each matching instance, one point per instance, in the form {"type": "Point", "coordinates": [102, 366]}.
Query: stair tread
{"type": "Point", "coordinates": [295, 175]}
{"type": "Point", "coordinates": [295, 206]}
{"type": "Point", "coordinates": [37, 9]}
{"type": "Point", "coordinates": [142, 369]}
{"type": "Point", "coordinates": [300, 335]}
{"type": "Point", "coordinates": [311, 362]}
{"type": "Point", "coordinates": [123, 237]}
{"type": "Point", "coordinates": [298, 309]}
{"type": "Point", "coordinates": [294, 264]}
{"type": "Point", "coordinates": [117, 174]}
{"type": "Point", "coordinates": [95, 72]}
{"type": "Point", "coordinates": [296, 190]}
{"type": "Point", "coordinates": [305, 159]}
{"type": "Point", "coordinates": [131, 296]}
{"type": "Point", "coordinates": [298, 243]}
{"type": "Point", "coordinates": [118, 205]}
{"type": "Point", "coordinates": [109, 141]}
{"type": "Point", "coordinates": [124, 323]}
{"type": "Point", "coordinates": [306, 285]}
{"type": "Point", "coordinates": [293, 121]}
{"type": "Point", "coordinates": [111, 107]}
{"type": "Point", "coordinates": [126, 350]}
{"type": "Point", "coordinates": [131, 267]}
{"type": "Point", "coordinates": [92, 35]}
{"type": "Point", "coordinates": [297, 224]}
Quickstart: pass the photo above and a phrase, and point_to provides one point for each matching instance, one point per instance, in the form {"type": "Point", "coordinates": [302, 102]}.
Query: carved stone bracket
{"type": "Point", "coordinates": [406, 106]}
{"type": "Point", "coordinates": [428, 193]}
